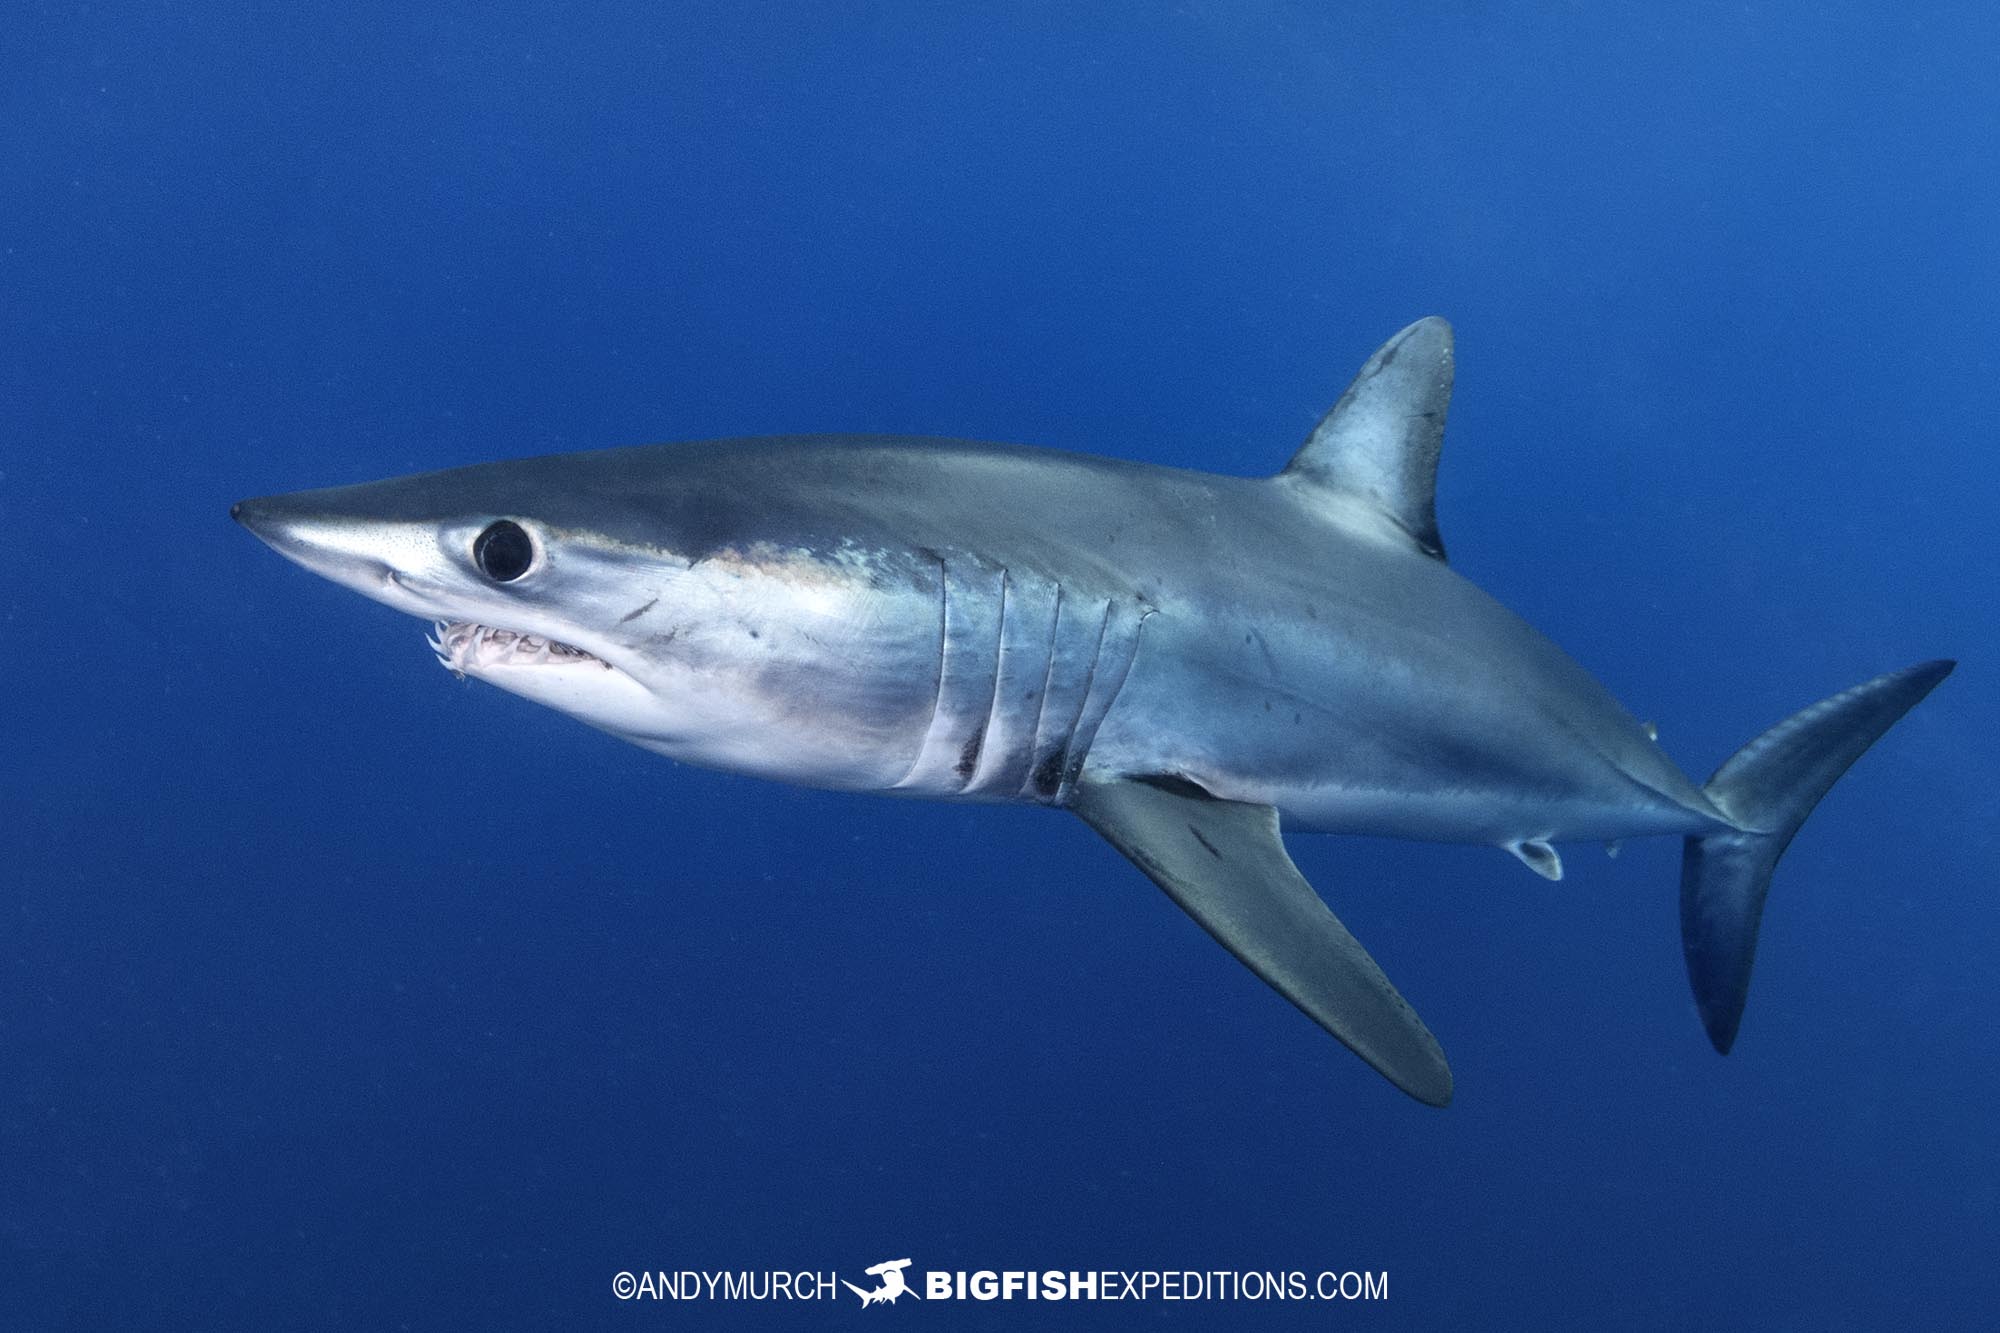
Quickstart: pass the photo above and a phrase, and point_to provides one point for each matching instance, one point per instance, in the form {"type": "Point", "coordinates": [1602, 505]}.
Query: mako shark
{"type": "Point", "coordinates": [1187, 661]}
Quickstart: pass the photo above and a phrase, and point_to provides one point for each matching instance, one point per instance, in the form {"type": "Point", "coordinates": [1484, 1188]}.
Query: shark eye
{"type": "Point", "coordinates": [504, 551]}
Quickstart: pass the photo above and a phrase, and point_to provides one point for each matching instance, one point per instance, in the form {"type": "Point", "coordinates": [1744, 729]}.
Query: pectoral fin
{"type": "Point", "coordinates": [1225, 864]}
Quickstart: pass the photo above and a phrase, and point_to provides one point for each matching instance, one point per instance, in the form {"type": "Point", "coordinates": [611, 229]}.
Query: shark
{"type": "Point", "coordinates": [1192, 663]}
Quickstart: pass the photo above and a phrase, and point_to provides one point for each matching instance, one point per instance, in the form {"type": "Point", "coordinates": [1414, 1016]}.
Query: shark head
{"type": "Point", "coordinates": [514, 601]}
{"type": "Point", "coordinates": [618, 589]}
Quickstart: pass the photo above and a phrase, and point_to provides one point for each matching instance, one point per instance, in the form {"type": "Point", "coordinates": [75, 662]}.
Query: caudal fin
{"type": "Point", "coordinates": [1768, 788]}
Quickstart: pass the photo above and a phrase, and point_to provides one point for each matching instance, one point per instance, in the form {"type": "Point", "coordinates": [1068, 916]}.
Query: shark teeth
{"type": "Point", "coordinates": [464, 645]}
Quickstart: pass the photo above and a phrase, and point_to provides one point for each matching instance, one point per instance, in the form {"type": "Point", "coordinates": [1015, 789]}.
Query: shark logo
{"type": "Point", "coordinates": [893, 1285]}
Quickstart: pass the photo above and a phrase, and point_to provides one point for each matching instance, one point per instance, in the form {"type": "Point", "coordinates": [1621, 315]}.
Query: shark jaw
{"type": "Point", "coordinates": [465, 647]}
{"type": "Point", "coordinates": [551, 673]}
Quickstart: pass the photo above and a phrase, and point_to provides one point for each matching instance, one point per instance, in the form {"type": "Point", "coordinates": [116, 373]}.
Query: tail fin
{"type": "Point", "coordinates": [1768, 788]}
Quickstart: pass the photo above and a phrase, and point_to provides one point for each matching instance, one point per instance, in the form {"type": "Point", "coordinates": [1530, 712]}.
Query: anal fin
{"type": "Point", "coordinates": [1226, 866]}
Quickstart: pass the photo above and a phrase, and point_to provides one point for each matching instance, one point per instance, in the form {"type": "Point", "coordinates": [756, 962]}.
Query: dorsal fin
{"type": "Point", "coordinates": [1380, 443]}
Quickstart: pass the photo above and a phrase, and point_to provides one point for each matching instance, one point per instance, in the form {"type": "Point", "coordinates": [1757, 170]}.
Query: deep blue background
{"type": "Point", "coordinates": [334, 993]}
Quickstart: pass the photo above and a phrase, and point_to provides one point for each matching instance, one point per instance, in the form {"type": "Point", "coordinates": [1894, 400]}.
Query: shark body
{"type": "Point", "coordinates": [1185, 660]}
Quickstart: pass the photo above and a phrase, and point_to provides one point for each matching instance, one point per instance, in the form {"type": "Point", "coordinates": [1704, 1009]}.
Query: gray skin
{"type": "Point", "coordinates": [1185, 660]}
{"type": "Point", "coordinates": [1238, 633]}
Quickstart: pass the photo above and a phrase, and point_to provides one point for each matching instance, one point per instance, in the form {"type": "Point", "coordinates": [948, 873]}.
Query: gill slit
{"type": "Point", "coordinates": [1089, 718]}
{"type": "Point", "coordinates": [1083, 695]}
{"type": "Point", "coordinates": [944, 647]}
{"type": "Point", "coordinates": [968, 763]}
{"type": "Point", "coordinates": [1048, 681]}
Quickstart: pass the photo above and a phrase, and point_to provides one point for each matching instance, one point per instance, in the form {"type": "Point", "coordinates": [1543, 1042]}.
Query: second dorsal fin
{"type": "Point", "coordinates": [1379, 445]}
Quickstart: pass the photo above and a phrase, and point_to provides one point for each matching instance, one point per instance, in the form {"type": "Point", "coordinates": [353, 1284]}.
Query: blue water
{"type": "Point", "coordinates": [334, 993]}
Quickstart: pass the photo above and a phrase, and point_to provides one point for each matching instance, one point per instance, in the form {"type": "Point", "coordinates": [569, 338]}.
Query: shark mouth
{"type": "Point", "coordinates": [463, 645]}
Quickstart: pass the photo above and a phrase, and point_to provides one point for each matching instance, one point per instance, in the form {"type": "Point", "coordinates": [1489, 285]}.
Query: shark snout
{"type": "Point", "coordinates": [283, 527]}
{"type": "Point", "coordinates": [372, 557]}
{"type": "Point", "coordinates": [265, 517]}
